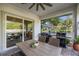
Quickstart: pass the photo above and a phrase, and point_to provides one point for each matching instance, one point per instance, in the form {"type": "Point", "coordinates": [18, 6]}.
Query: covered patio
{"type": "Point", "coordinates": [22, 22]}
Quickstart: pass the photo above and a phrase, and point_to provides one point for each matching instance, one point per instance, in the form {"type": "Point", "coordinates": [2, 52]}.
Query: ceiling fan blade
{"type": "Point", "coordinates": [48, 4]}
{"type": "Point", "coordinates": [23, 3]}
{"type": "Point", "coordinates": [37, 6]}
{"type": "Point", "coordinates": [42, 6]}
{"type": "Point", "coordinates": [31, 5]}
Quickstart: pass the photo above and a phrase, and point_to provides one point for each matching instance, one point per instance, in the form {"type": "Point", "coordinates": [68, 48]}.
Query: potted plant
{"type": "Point", "coordinates": [67, 41]}
{"type": "Point", "coordinates": [76, 44]}
{"type": "Point", "coordinates": [33, 45]}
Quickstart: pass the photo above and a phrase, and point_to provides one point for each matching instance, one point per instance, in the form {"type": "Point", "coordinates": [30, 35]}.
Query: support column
{"type": "Point", "coordinates": [77, 19]}
{"type": "Point", "coordinates": [75, 22]}
{"type": "Point", "coordinates": [37, 29]}
{"type": "Point", "coordinates": [0, 31]}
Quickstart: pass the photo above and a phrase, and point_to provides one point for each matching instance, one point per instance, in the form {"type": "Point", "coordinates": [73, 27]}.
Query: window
{"type": "Point", "coordinates": [58, 24]}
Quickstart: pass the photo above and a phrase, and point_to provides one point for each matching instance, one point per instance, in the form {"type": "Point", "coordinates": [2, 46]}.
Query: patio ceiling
{"type": "Point", "coordinates": [41, 12]}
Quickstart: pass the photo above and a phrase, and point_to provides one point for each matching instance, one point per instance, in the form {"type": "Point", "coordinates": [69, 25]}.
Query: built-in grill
{"type": "Point", "coordinates": [62, 37]}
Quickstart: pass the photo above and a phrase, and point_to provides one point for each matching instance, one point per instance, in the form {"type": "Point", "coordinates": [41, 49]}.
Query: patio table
{"type": "Point", "coordinates": [43, 49]}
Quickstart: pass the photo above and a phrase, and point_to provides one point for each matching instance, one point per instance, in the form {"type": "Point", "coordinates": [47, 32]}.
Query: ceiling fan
{"type": "Point", "coordinates": [42, 5]}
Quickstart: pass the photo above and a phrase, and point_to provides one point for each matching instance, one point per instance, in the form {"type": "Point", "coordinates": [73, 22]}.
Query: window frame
{"type": "Point", "coordinates": [5, 20]}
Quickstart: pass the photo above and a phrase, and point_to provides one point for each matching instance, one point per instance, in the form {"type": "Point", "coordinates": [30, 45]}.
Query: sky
{"type": "Point", "coordinates": [63, 17]}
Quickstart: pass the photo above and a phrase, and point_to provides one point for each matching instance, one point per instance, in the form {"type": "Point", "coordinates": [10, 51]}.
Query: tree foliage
{"type": "Point", "coordinates": [55, 21]}
{"type": "Point", "coordinates": [68, 22]}
{"type": "Point", "coordinates": [59, 25]}
{"type": "Point", "coordinates": [14, 26]}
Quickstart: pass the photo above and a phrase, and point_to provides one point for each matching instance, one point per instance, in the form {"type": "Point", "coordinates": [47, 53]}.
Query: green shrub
{"type": "Point", "coordinates": [77, 39]}
{"type": "Point", "coordinates": [67, 41]}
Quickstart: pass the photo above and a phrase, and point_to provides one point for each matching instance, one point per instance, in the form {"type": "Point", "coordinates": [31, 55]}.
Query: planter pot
{"type": "Point", "coordinates": [76, 46]}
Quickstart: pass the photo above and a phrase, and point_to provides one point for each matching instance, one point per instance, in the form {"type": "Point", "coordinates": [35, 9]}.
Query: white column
{"type": "Point", "coordinates": [37, 29]}
{"type": "Point", "coordinates": [74, 22]}
{"type": "Point", "coordinates": [78, 19]}
{"type": "Point", "coordinates": [0, 31]}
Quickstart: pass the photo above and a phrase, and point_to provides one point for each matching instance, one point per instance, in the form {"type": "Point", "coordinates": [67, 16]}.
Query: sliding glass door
{"type": "Point", "coordinates": [17, 30]}
{"type": "Point", "coordinates": [28, 30]}
{"type": "Point", "coordinates": [13, 31]}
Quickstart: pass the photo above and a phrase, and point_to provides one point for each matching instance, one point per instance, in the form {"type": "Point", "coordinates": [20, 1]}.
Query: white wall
{"type": "Point", "coordinates": [78, 19]}
{"type": "Point", "coordinates": [6, 9]}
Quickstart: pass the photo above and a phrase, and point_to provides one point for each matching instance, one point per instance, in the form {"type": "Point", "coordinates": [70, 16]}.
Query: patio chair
{"type": "Point", "coordinates": [54, 41]}
{"type": "Point", "coordinates": [42, 38]}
